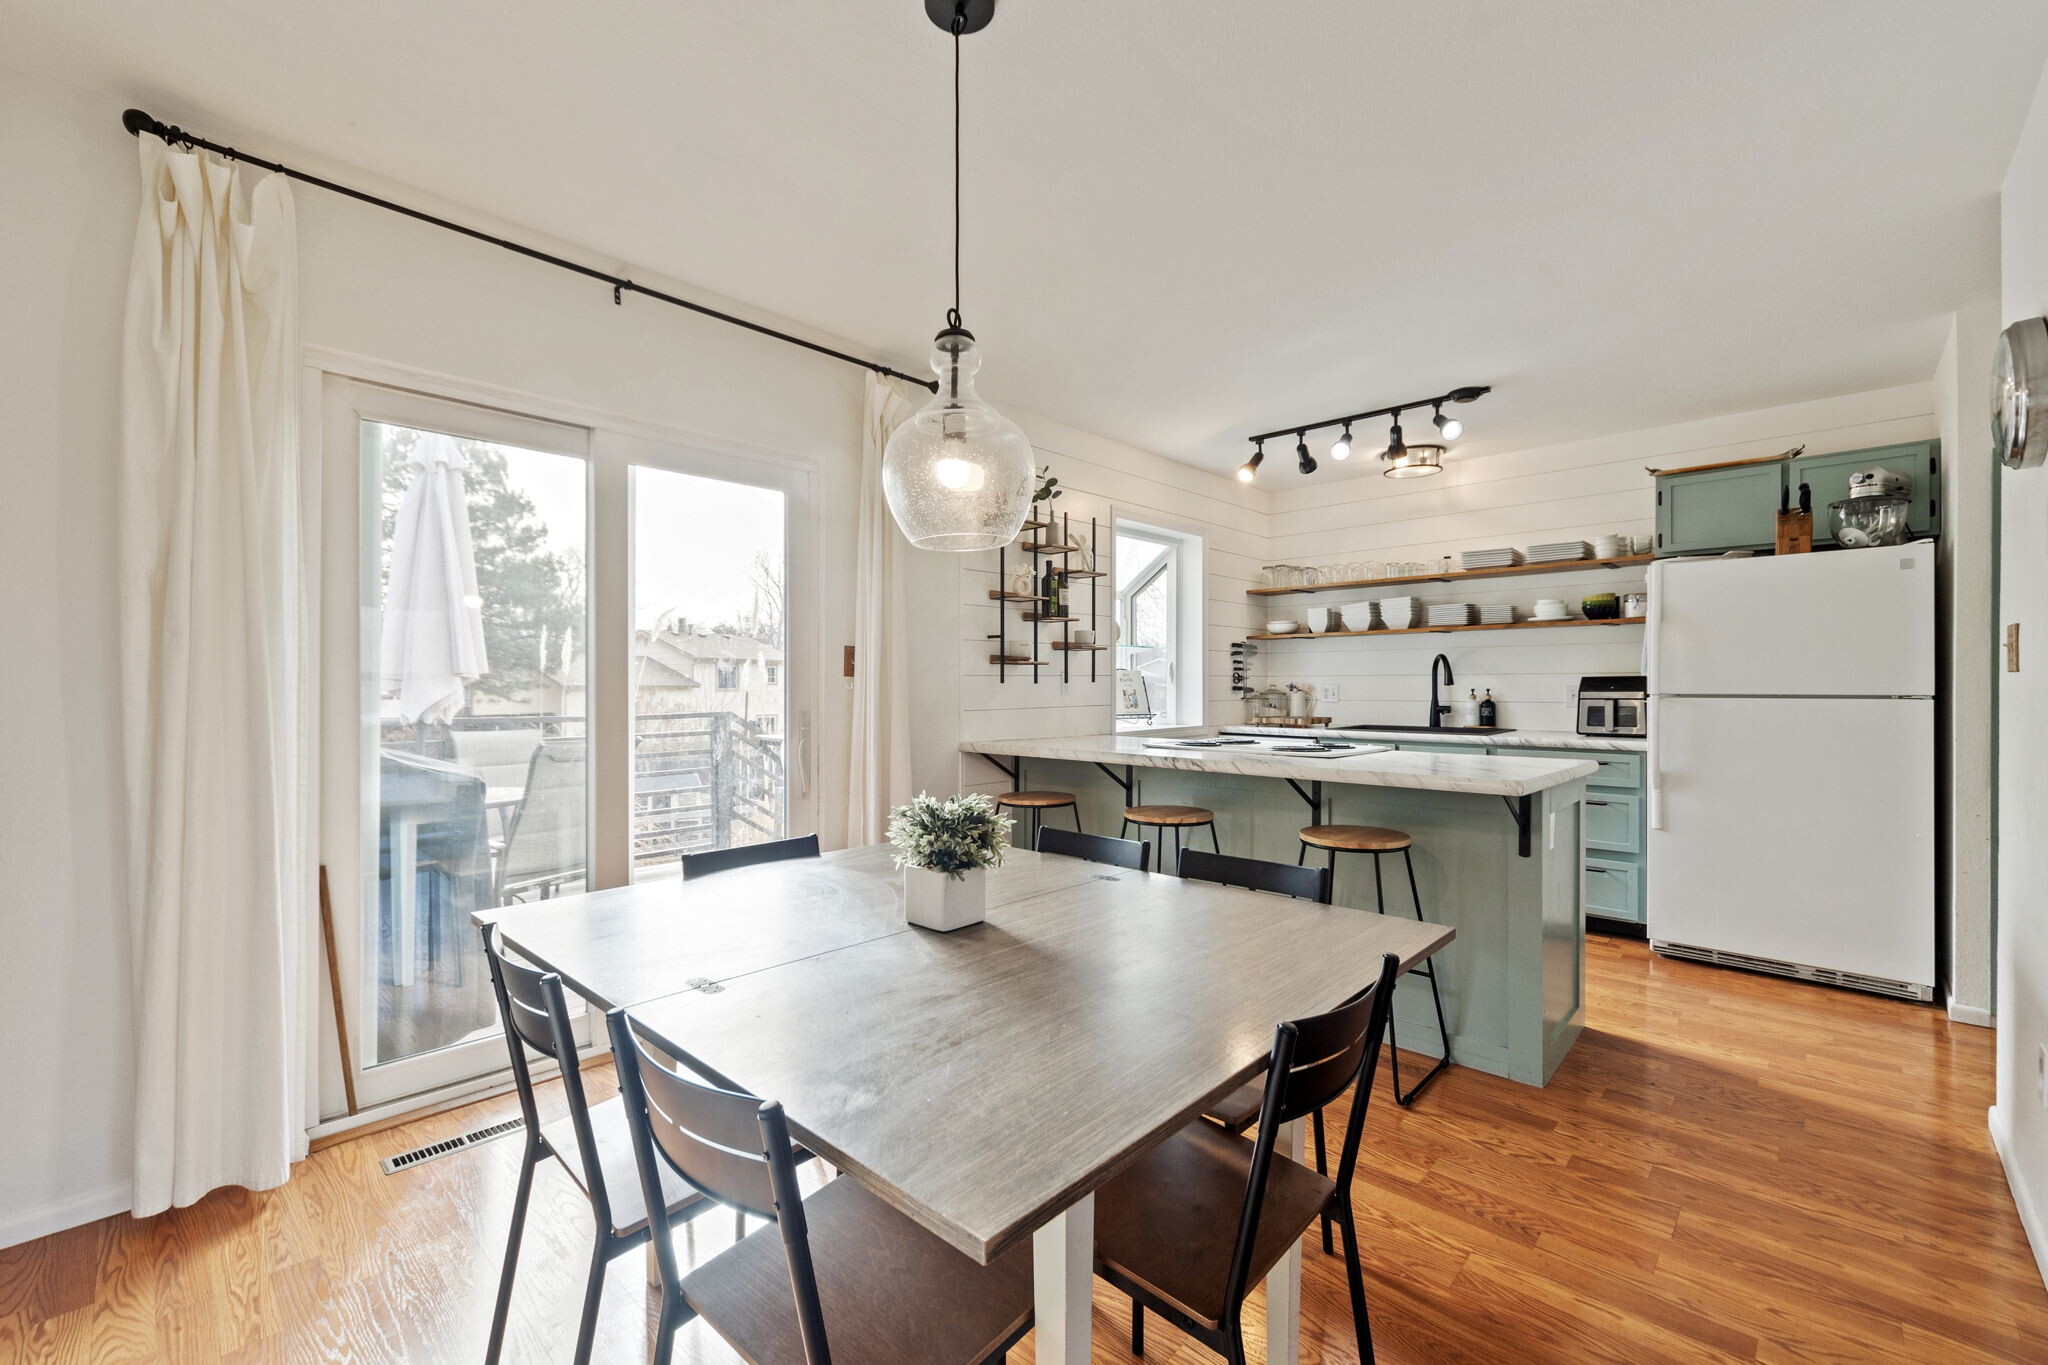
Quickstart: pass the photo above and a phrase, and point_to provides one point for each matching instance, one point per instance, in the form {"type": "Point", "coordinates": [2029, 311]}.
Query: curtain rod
{"type": "Point", "coordinates": [137, 122]}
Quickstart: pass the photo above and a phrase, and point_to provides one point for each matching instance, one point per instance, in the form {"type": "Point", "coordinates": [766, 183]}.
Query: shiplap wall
{"type": "Point", "coordinates": [1106, 480]}
{"type": "Point", "coordinates": [1564, 492]}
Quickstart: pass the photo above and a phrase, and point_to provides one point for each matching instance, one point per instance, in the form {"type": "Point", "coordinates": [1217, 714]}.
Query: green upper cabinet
{"type": "Point", "coordinates": [1731, 508]}
{"type": "Point", "coordinates": [1735, 507]}
{"type": "Point", "coordinates": [1828, 476]}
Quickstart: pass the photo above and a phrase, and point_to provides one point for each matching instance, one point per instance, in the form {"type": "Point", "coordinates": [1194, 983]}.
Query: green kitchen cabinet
{"type": "Point", "coordinates": [1711, 510]}
{"type": "Point", "coordinates": [1828, 476]}
{"type": "Point", "coordinates": [1467, 749]}
{"type": "Point", "coordinates": [1617, 831]}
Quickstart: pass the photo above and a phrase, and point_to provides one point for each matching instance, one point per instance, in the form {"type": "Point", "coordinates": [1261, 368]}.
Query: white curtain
{"type": "Point", "coordinates": [878, 770]}
{"type": "Point", "coordinates": [213, 606]}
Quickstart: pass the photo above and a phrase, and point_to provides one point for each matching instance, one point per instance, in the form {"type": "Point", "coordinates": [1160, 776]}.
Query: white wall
{"type": "Point", "coordinates": [2019, 1123]}
{"type": "Point", "coordinates": [1565, 492]}
{"type": "Point", "coordinates": [1968, 650]}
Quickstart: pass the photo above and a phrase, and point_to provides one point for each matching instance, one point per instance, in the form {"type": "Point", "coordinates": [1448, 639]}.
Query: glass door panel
{"type": "Point", "coordinates": [708, 668]}
{"type": "Point", "coordinates": [473, 717]}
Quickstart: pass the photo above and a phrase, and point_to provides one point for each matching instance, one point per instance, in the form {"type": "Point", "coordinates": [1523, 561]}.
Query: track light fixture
{"type": "Point", "coordinates": [1427, 459]}
{"type": "Point", "coordinates": [1450, 428]}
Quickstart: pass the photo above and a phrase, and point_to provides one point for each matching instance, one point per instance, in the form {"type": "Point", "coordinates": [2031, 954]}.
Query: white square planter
{"type": "Point", "coordinates": [934, 900]}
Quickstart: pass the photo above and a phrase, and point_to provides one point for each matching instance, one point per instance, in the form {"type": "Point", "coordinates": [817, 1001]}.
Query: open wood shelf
{"type": "Point", "coordinates": [1038, 547]}
{"type": "Point", "coordinates": [1085, 573]}
{"type": "Point", "coordinates": [1445, 630]}
{"type": "Point", "coordinates": [1460, 575]}
{"type": "Point", "coordinates": [1040, 616]}
{"type": "Point", "coordinates": [1016, 660]}
{"type": "Point", "coordinates": [997, 595]}
{"type": "Point", "coordinates": [1063, 645]}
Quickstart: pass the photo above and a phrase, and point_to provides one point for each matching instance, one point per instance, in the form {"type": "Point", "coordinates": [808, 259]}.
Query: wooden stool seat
{"type": "Point", "coordinates": [1035, 800]}
{"type": "Point", "coordinates": [1355, 838]}
{"type": "Point", "coordinates": [1169, 815]}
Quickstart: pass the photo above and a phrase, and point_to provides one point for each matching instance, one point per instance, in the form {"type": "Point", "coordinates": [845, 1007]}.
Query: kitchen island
{"type": "Point", "coordinates": [1498, 854]}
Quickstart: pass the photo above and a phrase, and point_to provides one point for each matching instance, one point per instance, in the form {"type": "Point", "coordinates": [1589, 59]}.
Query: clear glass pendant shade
{"type": "Point", "coordinates": [958, 474]}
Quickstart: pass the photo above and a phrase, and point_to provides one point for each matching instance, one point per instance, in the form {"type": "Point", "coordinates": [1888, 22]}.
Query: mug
{"type": "Point", "coordinates": [1084, 636]}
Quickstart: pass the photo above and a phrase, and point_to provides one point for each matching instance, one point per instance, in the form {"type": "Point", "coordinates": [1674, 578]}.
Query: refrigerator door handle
{"type": "Point", "coordinates": [1650, 761]}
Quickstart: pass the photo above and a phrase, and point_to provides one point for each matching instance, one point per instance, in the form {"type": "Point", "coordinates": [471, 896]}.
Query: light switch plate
{"type": "Point", "coordinates": [1330, 692]}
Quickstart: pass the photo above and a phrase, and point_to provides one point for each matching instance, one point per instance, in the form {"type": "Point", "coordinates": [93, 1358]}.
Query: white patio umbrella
{"type": "Point", "coordinates": [432, 643]}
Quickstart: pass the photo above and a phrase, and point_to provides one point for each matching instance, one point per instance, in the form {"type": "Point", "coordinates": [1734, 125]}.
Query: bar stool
{"type": "Point", "coordinates": [1335, 839]}
{"type": "Point", "coordinates": [1038, 803]}
{"type": "Point", "coordinates": [1175, 818]}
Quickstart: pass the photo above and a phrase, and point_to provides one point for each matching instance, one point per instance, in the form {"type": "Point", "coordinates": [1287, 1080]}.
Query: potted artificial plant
{"type": "Point", "coordinates": [945, 846]}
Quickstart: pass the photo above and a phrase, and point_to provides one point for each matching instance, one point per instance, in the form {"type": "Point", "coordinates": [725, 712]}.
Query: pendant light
{"type": "Point", "coordinates": [958, 474]}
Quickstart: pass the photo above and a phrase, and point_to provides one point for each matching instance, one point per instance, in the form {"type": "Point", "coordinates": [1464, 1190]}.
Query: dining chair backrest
{"type": "Point", "coordinates": [747, 855]}
{"type": "Point", "coordinates": [1256, 874]}
{"type": "Point", "coordinates": [1314, 1061]}
{"type": "Point", "coordinates": [535, 1014]}
{"type": "Point", "coordinates": [1096, 848]}
{"type": "Point", "coordinates": [544, 839]}
{"type": "Point", "coordinates": [729, 1145]}
{"type": "Point", "coordinates": [501, 756]}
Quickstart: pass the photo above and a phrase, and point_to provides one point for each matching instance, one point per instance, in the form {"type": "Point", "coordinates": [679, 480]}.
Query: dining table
{"type": "Point", "coordinates": [984, 1082]}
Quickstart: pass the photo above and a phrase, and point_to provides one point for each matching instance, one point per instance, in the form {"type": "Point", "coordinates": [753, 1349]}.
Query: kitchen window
{"type": "Point", "coordinates": [1159, 631]}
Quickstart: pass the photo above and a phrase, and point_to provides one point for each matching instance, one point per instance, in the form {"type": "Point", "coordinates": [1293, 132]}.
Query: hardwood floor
{"type": "Point", "coordinates": [1728, 1167]}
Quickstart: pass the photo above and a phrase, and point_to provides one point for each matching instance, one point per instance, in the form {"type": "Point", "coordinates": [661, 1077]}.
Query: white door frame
{"type": "Point", "coordinates": [350, 389]}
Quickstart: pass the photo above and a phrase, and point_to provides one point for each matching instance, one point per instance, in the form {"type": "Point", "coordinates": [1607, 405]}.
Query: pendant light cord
{"type": "Point", "coordinates": [959, 24]}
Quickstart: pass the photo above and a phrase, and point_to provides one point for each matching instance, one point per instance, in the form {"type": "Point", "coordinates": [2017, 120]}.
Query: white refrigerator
{"type": "Point", "coordinates": [1791, 765]}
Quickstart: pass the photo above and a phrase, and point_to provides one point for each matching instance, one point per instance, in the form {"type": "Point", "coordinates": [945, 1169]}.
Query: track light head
{"type": "Point", "coordinates": [1250, 467]}
{"type": "Point", "coordinates": [1450, 428]}
{"type": "Point", "coordinates": [1342, 449]}
{"type": "Point", "coordinates": [1303, 461]}
{"type": "Point", "coordinates": [1396, 447]}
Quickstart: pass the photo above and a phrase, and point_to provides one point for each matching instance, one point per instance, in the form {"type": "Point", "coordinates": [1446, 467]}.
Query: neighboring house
{"type": "Point", "coordinates": [683, 670]}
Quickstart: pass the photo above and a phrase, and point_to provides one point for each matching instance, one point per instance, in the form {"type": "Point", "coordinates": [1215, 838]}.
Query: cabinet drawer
{"type": "Point", "coordinates": [1613, 890]}
{"type": "Point", "coordinates": [1623, 771]}
{"type": "Point", "coordinates": [1614, 822]}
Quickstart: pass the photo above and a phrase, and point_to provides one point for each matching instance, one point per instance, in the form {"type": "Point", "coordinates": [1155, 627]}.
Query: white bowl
{"type": "Point", "coordinates": [1282, 627]}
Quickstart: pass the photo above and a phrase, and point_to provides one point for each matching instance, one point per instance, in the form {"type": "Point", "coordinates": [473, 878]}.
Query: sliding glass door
{"type": "Point", "coordinates": [555, 659]}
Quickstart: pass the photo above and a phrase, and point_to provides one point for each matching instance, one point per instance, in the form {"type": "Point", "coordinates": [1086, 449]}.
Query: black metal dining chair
{"type": "Point", "coordinates": [747, 855]}
{"type": "Point", "coordinates": [1256, 874]}
{"type": "Point", "coordinates": [1135, 854]}
{"type": "Point", "coordinates": [889, 1290]}
{"type": "Point", "coordinates": [1201, 1218]}
{"type": "Point", "coordinates": [591, 1142]}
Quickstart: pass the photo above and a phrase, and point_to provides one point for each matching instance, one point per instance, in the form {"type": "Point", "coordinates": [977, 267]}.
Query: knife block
{"type": "Point", "coordinates": [1795, 533]}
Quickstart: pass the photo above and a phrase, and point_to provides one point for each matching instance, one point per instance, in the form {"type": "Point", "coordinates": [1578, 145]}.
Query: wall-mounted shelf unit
{"type": "Point", "coordinates": [1462, 575]}
{"type": "Point", "coordinates": [1060, 542]}
{"type": "Point", "coordinates": [1446, 630]}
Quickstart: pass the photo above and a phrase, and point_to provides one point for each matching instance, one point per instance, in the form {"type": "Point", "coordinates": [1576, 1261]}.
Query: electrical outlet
{"type": "Point", "coordinates": [1330, 692]}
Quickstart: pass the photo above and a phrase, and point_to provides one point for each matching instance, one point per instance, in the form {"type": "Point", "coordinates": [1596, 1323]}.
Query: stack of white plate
{"type": "Point", "coordinates": [1558, 551]}
{"type": "Point", "coordinates": [1502, 615]}
{"type": "Point", "coordinates": [1551, 609]}
{"type": "Point", "coordinates": [1398, 612]}
{"type": "Point", "coordinates": [1450, 614]}
{"type": "Point", "coordinates": [1506, 557]}
{"type": "Point", "coordinates": [1610, 547]}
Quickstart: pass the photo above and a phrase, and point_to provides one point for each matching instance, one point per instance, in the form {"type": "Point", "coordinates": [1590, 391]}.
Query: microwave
{"type": "Point", "coordinates": [1615, 705]}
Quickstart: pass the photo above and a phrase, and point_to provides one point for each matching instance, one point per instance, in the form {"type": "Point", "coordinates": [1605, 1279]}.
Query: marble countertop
{"type": "Point", "coordinates": [1513, 739]}
{"type": "Point", "coordinates": [1480, 774]}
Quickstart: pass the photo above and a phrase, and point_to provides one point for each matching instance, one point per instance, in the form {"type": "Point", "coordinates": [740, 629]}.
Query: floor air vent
{"type": "Point", "coordinates": [1826, 976]}
{"type": "Point", "coordinates": [433, 1151]}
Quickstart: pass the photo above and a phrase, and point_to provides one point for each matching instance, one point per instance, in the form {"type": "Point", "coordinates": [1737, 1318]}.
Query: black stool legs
{"type": "Point", "coordinates": [1427, 969]}
{"type": "Point", "coordinates": [1124, 832]}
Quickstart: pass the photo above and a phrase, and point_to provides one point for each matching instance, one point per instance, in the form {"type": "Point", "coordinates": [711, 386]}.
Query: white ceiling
{"type": "Point", "coordinates": [1188, 220]}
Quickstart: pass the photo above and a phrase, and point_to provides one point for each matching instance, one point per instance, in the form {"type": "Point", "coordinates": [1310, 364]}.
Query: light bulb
{"type": "Point", "coordinates": [1342, 449]}
{"type": "Point", "coordinates": [1450, 428]}
{"type": "Point", "coordinates": [1250, 467]}
{"type": "Point", "coordinates": [958, 474]}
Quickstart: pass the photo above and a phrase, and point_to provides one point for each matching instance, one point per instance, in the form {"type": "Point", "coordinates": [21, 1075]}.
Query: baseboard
{"type": "Point", "coordinates": [65, 1213]}
{"type": "Point", "coordinates": [2030, 1216]}
{"type": "Point", "coordinates": [1971, 1014]}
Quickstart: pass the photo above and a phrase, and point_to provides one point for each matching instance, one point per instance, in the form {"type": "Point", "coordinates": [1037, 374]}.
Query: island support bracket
{"type": "Point", "coordinates": [1519, 807]}
{"type": "Point", "coordinates": [1128, 782]}
{"type": "Point", "coordinates": [1314, 797]}
{"type": "Point", "coordinates": [1016, 774]}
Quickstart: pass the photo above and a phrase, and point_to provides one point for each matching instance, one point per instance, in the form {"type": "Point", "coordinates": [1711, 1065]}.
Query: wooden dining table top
{"type": "Point", "coordinates": [979, 1081]}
